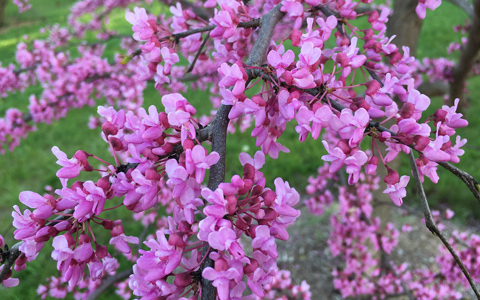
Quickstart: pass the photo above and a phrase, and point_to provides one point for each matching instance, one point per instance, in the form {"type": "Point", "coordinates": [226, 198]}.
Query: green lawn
{"type": "Point", "coordinates": [32, 165]}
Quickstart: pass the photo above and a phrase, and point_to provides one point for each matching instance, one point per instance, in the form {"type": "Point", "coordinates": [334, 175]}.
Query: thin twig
{"type": "Point", "coordinates": [192, 65]}
{"type": "Point", "coordinates": [430, 223]}
{"type": "Point", "coordinates": [248, 24]}
{"type": "Point", "coordinates": [109, 281]}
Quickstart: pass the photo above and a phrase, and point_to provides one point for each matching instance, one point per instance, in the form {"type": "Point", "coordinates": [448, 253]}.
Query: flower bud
{"type": "Point", "coordinates": [182, 279]}
{"type": "Point", "coordinates": [392, 177]}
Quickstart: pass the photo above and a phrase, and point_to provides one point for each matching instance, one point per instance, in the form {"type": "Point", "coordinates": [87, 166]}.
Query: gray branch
{"type": "Point", "coordinates": [218, 128]}
{"type": "Point", "coordinates": [466, 6]}
{"type": "Point", "coordinates": [430, 223]}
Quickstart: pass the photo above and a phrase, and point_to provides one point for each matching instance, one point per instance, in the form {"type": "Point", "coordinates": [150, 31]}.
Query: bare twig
{"type": "Point", "coordinates": [430, 223]}
{"type": "Point", "coordinates": [468, 179]}
{"type": "Point", "coordinates": [248, 24]}
{"type": "Point", "coordinates": [192, 65]}
{"type": "Point", "coordinates": [109, 281]}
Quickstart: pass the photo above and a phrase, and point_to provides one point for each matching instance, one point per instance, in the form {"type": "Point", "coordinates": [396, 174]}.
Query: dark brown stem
{"type": "Point", "coordinates": [430, 223]}
{"type": "Point", "coordinates": [192, 65]}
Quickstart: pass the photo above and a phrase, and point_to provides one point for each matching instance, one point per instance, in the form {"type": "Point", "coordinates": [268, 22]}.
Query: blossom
{"type": "Point", "coordinates": [422, 6]}
{"type": "Point", "coordinates": [197, 162]}
{"type": "Point", "coordinates": [397, 191]}
{"type": "Point", "coordinates": [142, 28]}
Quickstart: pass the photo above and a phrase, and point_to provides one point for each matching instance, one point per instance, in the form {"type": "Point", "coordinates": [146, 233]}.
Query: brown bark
{"type": "Point", "coordinates": [405, 24]}
{"type": "Point", "coordinates": [468, 55]}
{"type": "Point", "coordinates": [3, 7]}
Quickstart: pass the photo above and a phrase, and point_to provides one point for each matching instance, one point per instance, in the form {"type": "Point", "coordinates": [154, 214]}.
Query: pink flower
{"type": "Point", "coordinates": [397, 191]}
{"type": "Point", "coordinates": [454, 119]}
{"type": "Point", "coordinates": [226, 24]}
{"type": "Point", "coordinates": [226, 239]}
{"type": "Point", "coordinates": [279, 62]}
{"type": "Point", "coordinates": [235, 76]}
{"type": "Point", "coordinates": [196, 161]}
{"type": "Point", "coordinates": [121, 242]}
{"type": "Point", "coordinates": [44, 205]}
{"type": "Point", "coordinates": [71, 167]}
{"type": "Point", "coordinates": [161, 259]}
{"type": "Point", "coordinates": [221, 279]}
{"type": "Point", "coordinates": [218, 208]}
{"type": "Point", "coordinates": [62, 251]}
{"type": "Point", "coordinates": [309, 54]}
{"type": "Point", "coordinates": [142, 28]}
{"type": "Point", "coordinates": [422, 6]}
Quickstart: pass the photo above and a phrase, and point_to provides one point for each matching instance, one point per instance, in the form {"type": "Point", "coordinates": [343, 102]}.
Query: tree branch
{"type": "Point", "coordinates": [430, 223]}
{"type": "Point", "coordinates": [218, 127]}
{"type": "Point", "coordinates": [109, 281]}
{"type": "Point", "coordinates": [466, 6]}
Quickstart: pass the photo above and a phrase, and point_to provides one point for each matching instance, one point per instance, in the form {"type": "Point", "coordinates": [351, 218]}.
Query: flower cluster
{"type": "Point", "coordinates": [347, 94]}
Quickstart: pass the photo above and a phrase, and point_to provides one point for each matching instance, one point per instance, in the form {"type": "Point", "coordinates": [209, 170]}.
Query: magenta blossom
{"type": "Point", "coordinates": [397, 191]}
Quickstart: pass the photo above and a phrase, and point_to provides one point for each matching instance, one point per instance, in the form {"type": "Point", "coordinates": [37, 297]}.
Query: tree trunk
{"type": "Point", "coordinates": [468, 55]}
{"type": "Point", "coordinates": [3, 6]}
{"type": "Point", "coordinates": [405, 24]}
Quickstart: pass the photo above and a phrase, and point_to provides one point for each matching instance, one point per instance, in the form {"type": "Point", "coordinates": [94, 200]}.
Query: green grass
{"type": "Point", "coordinates": [32, 165]}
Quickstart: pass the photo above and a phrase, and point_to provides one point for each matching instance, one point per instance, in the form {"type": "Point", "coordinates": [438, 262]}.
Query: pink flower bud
{"type": "Point", "coordinates": [247, 185]}
{"type": "Point", "coordinates": [372, 87]}
{"type": "Point", "coordinates": [373, 16]}
{"type": "Point", "coordinates": [270, 214]}
{"type": "Point", "coordinates": [116, 143]}
{"type": "Point", "coordinates": [342, 59]}
{"type": "Point", "coordinates": [148, 153]}
{"type": "Point", "coordinates": [188, 144]}
{"type": "Point", "coordinates": [248, 171]}
{"type": "Point", "coordinates": [101, 251]}
{"type": "Point", "coordinates": [269, 197]}
{"type": "Point", "coordinates": [343, 145]}
{"type": "Point", "coordinates": [407, 110]}
{"type": "Point", "coordinates": [117, 229]}
{"type": "Point", "coordinates": [392, 177]}
{"type": "Point", "coordinates": [182, 279]}
{"type": "Point", "coordinates": [231, 204]}
{"type": "Point", "coordinates": [82, 157]}
{"type": "Point", "coordinates": [175, 239]}
{"type": "Point", "coordinates": [395, 57]}
{"type": "Point", "coordinates": [421, 142]}
{"type": "Point", "coordinates": [251, 267]}
{"type": "Point", "coordinates": [152, 174]}
{"type": "Point", "coordinates": [372, 165]}
{"type": "Point", "coordinates": [109, 129]}
{"type": "Point", "coordinates": [221, 265]}
{"type": "Point", "coordinates": [296, 37]}
{"type": "Point", "coordinates": [257, 190]}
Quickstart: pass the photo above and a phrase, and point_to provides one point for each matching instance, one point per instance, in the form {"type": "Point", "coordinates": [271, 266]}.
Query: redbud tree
{"type": "Point", "coordinates": [268, 66]}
